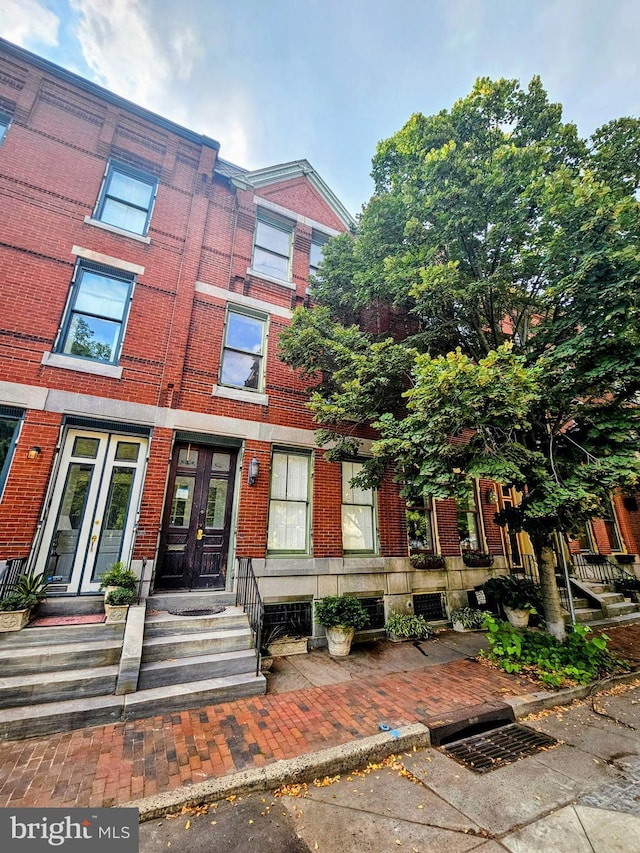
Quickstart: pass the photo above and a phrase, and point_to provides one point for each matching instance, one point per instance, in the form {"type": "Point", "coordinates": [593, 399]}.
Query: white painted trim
{"type": "Point", "coordinates": [279, 281]}
{"type": "Point", "coordinates": [68, 362]}
{"type": "Point", "coordinates": [232, 298]}
{"type": "Point", "coordinates": [240, 394]}
{"type": "Point", "coordinates": [89, 220]}
{"type": "Point", "coordinates": [291, 214]}
{"type": "Point", "coordinates": [107, 260]}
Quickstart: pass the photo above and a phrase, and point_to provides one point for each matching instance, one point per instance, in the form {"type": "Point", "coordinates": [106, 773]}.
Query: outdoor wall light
{"type": "Point", "coordinates": [33, 453]}
{"type": "Point", "coordinates": [492, 496]}
{"type": "Point", "coordinates": [254, 470]}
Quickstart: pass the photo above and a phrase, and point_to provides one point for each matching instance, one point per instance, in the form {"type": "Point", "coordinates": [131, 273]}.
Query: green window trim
{"type": "Point", "coordinates": [272, 247]}
{"type": "Point", "coordinates": [289, 519]}
{"type": "Point", "coordinates": [126, 198]}
{"type": "Point", "coordinates": [244, 345]}
{"type": "Point", "coordinates": [10, 425]}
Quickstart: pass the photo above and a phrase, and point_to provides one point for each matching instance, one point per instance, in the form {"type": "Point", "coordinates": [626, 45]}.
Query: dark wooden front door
{"type": "Point", "coordinates": [195, 534]}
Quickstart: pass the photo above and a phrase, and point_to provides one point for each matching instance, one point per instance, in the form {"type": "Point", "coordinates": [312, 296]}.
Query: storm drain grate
{"type": "Point", "coordinates": [490, 750]}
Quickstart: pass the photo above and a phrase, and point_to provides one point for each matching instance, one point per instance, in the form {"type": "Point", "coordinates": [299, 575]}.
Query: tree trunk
{"type": "Point", "coordinates": [553, 613]}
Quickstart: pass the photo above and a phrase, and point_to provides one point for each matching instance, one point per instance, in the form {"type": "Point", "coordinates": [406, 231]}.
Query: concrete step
{"type": "Point", "coordinates": [194, 600]}
{"type": "Point", "coordinates": [608, 598]}
{"type": "Point", "coordinates": [71, 605]}
{"type": "Point", "coordinates": [197, 668]}
{"type": "Point", "coordinates": [41, 688]}
{"type": "Point", "coordinates": [159, 624]}
{"type": "Point", "coordinates": [44, 659]}
{"type": "Point", "coordinates": [177, 697]}
{"type": "Point", "coordinates": [587, 614]}
{"type": "Point", "coordinates": [57, 634]}
{"type": "Point", "coordinates": [580, 603]}
{"type": "Point", "coordinates": [621, 608]}
{"type": "Point", "coordinates": [40, 720]}
{"type": "Point", "coordinates": [189, 645]}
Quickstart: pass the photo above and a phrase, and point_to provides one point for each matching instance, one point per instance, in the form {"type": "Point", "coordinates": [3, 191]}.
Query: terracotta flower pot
{"type": "Point", "coordinates": [339, 640]}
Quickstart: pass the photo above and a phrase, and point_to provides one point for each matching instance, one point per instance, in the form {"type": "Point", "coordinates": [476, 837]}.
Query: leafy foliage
{"type": "Point", "coordinates": [580, 659]}
{"type": "Point", "coordinates": [408, 626]}
{"type": "Point", "coordinates": [118, 575]}
{"type": "Point", "coordinates": [515, 592]}
{"type": "Point", "coordinates": [343, 610]}
{"type": "Point", "coordinates": [468, 617]}
{"type": "Point", "coordinates": [16, 600]}
{"type": "Point", "coordinates": [120, 596]}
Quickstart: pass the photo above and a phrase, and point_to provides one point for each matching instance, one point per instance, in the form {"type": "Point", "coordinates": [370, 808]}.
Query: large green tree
{"type": "Point", "coordinates": [485, 316]}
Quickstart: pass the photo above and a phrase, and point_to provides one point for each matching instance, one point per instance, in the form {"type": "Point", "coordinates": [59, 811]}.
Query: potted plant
{"type": "Point", "coordinates": [518, 596]}
{"type": "Point", "coordinates": [625, 559]}
{"type": "Point", "coordinates": [117, 575]}
{"type": "Point", "coordinates": [467, 619]}
{"type": "Point", "coordinates": [15, 610]}
{"type": "Point", "coordinates": [278, 642]}
{"type": "Point", "coordinates": [117, 602]}
{"type": "Point", "coordinates": [427, 561]}
{"type": "Point", "coordinates": [477, 559]}
{"type": "Point", "coordinates": [407, 626]}
{"type": "Point", "coordinates": [342, 616]}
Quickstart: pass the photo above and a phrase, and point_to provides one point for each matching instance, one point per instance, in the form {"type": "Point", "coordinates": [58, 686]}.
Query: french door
{"type": "Point", "coordinates": [197, 518]}
{"type": "Point", "coordinates": [91, 522]}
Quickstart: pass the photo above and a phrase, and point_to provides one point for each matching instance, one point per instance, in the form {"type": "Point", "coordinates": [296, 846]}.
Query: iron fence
{"type": "Point", "coordinates": [248, 597]}
{"type": "Point", "coordinates": [596, 567]}
{"type": "Point", "coordinates": [10, 573]}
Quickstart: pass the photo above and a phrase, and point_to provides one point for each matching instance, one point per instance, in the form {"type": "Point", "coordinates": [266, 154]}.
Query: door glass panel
{"type": "Point", "coordinates": [65, 539]}
{"type": "Point", "coordinates": [182, 501]}
{"type": "Point", "coordinates": [216, 502]}
{"type": "Point", "coordinates": [86, 447]}
{"type": "Point", "coordinates": [115, 517]}
{"type": "Point", "coordinates": [187, 457]}
{"type": "Point", "coordinates": [127, 451]}
{"type": "Point", "coordinates": [220, 461]}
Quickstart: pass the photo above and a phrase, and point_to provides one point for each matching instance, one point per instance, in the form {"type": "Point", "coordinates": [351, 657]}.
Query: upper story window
{"type": "Point", "coordinates": [420, 526]}
{"type": "Point", "coordinates": [10, 420]}
{"type": "Point", "coordinates": [318, 241]}
{"type": "Point", "coordinates": [94, 320]}
{"type": "Point", "coordinates": [272, 247]}
{"type": "Point", "coordinates": [468, 528]}
{"type": "Point", "coordinates": [126, 198]}
{"type": "Point", "coordinates": [358, 512]}
{"type": "Point", "coordinates": [289, 502]}
{"type": "Point", "coordinates": [5, 121]}
{"type": "Point", "coordinates": [243, 351]}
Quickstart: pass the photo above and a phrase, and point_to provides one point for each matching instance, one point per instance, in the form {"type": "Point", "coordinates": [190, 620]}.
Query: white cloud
{"type": "Point", "coordinates": [28, 23]}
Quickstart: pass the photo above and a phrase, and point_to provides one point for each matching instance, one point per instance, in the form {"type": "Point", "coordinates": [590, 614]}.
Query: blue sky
{"type": "Point", "coordinates": [325, 80]}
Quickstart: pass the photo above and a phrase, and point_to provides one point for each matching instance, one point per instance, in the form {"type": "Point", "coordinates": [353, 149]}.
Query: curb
{"type": "Point", "coordinates": [304, 768]}
{"type": "Point", "coordinates": [531, 703]}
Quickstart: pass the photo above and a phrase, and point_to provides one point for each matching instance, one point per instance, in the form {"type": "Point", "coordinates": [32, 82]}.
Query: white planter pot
{"type": "Point", "coordinates": [288, 646]}
{"type": "Point", "coordinates": [458, 626]}
{"type": "Point", "coordinates": [13, 620]}
{"type": "Point", "coordinates": [339, 640]}
{"type": "Point", "coordinates": [116, 612]}
{"type": "Point", "coordinates": [518, 618]}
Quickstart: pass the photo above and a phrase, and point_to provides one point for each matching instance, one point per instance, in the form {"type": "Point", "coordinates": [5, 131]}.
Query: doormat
{"type": "Point", "coordinates": [206, 611]}
{"type": "Point", "coordinates": [52, 621]}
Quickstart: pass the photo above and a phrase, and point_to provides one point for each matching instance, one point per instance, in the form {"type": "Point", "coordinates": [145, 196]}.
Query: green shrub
{"type": "Point", "coordinates": [408, 626]}
{"type": "Point", "coordinates": [516, 592]}
{"type": "Point", "coordinates": [580, 659]}
{"type": "Point", "coordinates": [16, 600]}
{"type": "Point", "coordinates": [469, 617]}
{"type": "Point", "coordinates": [118, 575]}
{"type": "Point", "coordinates": [120, 596]}
{"type": "Point", "coordinates": [427, 561]}
{"type": "Point", "coordinates": [32, 585]}
{"type": "Point", "coordinates": [343, 610]}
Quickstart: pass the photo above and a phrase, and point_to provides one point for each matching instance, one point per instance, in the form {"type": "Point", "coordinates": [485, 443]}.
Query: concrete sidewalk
{"type": "Point", "coordinates": [333, 719]}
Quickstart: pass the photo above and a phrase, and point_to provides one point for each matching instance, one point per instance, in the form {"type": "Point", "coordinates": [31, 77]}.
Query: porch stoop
{"type": "Point", "coordinates": [59, 678]}
{"type": "Point", "coordinates": [599, 602]}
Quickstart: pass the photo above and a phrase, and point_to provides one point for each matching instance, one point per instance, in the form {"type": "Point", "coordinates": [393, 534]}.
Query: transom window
{"type": "Point", "coordinates": [96, 314]}
{"type": "Point", "coordinates": [126, 199]}
{"type": "Point", "coordinates": [5, 121]}
{"type": "Point", "coordinates": [289, 502]}
{"type": "Point", "coordinates": [358, 517]}
{"type": "Point", "coordinates": [243, 351]}
{"type": "Point", "coordinates": [272, 248]}
{"type": "Point", "coordinates": [10, 420]}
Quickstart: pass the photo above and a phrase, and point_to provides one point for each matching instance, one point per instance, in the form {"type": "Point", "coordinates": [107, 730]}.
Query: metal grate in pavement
{"type": "Point", "coordinates": [490, 750]}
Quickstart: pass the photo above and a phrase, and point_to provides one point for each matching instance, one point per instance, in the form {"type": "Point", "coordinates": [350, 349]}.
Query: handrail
{"type": "Point", "coordinates": [248, 597]}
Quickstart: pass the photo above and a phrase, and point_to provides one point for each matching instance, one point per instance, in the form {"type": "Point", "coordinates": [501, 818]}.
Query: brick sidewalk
{"type": "Point", "coordinates": [113, 764]}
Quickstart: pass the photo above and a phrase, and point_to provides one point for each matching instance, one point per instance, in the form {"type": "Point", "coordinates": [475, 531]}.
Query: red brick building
{"type": "Point", "coordinates": [144, 413]}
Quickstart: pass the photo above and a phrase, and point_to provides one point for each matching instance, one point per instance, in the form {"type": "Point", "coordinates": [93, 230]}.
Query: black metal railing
{"type": "Point", "coordinates": [10, 573]}
{"type": "Point", "coordinates": [596, 567]}
{"type": "Point", "coordinates": [248, 597]}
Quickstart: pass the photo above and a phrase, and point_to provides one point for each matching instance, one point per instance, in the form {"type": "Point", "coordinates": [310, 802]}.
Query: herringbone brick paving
{"type": "Point", "coordinates": [116, 763]}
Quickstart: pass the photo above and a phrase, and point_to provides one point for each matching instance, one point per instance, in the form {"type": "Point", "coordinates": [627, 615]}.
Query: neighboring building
{"type": "Point", "coordinates": [144, 413]}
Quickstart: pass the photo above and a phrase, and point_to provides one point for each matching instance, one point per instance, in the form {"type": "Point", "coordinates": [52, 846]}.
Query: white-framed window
{"type": "Point", "coordinates": [272, 245]}
{"type": "Point", "coordinates": [5, 121]}
{"type": "Point", "coordinates": [242, 364]}
{"type": "Point", "coordinates": [468, 527]}
{"type": "Point", "coordinates": [358, 512]}
{"type": "Point", "coordinates": [96, 313]}
{"type": "Point", "coordinates": [420, 526]}
{"type": "Point", "coordinates": [126, 198]}
{"type": "Point", "coordinates": [318, 242]}
{"type": "Point", "coordinates": [289, 502]}
{"type": "Point", "coordinates": [10, 421]}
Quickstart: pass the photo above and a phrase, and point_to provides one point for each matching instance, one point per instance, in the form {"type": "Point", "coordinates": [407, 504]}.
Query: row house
{"type": "Point", "coordinates": [144, 413]}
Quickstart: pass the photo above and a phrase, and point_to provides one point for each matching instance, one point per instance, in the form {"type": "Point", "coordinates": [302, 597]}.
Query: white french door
{"type": "Point", "coordinates": [91, 522]}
